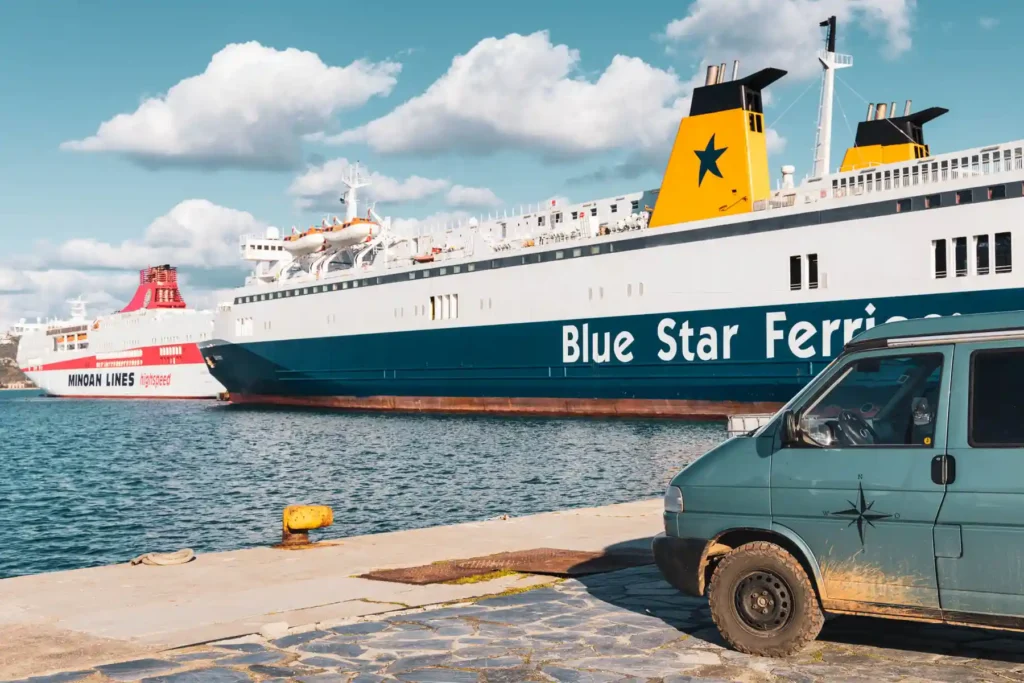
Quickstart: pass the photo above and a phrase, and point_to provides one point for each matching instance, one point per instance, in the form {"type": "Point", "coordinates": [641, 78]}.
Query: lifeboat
{"type": "Point", "coordinates": [423, 258]}
{"type": "Point", "coordinates": [342, 235]}
{"type": "Point", "coordinates": [300, 244]}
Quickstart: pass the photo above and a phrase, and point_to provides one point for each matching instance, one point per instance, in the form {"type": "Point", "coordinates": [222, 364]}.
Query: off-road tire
{"type": "Point", "coordinates": [805, 617]}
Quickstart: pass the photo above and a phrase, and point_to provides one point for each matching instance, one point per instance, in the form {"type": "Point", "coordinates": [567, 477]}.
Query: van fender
{"type": "Point", "coordinates": [730, 539]}
{"type": "Point", "coordinates": [806, 557]}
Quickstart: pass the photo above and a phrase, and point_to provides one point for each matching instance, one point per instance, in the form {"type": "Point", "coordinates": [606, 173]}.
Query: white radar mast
{"type": "Point", "coordinates": [830, 61]}
{"type": "Point", "coordinates": [354, 181]}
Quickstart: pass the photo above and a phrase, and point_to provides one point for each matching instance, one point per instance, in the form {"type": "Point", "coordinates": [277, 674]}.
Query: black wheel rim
{"type": "Point", "coordinates": [764, 601]}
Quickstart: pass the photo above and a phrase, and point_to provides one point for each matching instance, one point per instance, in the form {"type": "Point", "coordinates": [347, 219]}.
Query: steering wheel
{"type": "Point", "coordinates": [855, 430]}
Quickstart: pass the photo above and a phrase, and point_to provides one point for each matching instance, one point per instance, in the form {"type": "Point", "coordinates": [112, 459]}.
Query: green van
{"type": "Point", "coordinates": [892, 486]}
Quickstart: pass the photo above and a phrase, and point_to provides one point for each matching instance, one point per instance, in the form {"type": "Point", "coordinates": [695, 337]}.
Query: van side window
{"type": "Point", "coordinates": [872, 402]}
{"type": "Point", "coordinates": [996, 400]}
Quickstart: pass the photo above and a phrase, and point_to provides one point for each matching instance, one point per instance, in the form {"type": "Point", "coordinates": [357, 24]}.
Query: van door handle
{"type": "Point", "coordinates": [943, 469]}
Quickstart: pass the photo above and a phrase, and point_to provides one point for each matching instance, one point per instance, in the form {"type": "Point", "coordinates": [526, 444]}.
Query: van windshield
{"type": "Point", "coordinates": [881, 401]}
{"type": "Point", "coordinates": [809, 387]}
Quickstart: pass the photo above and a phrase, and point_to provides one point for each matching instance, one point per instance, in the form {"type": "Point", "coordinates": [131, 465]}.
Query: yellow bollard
{"type": "Point", "coordinates": [298, 520]}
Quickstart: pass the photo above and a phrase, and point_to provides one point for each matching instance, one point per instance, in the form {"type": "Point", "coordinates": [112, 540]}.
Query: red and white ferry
{"type": "Point", "coordinates": [146, 350]}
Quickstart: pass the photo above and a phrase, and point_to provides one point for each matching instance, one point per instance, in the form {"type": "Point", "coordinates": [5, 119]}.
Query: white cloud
{"type": "Point", "coordinates": [988, 23]}
{"type": "Point", "coordinates": [197, 236]}
{"type": "Point", "coordinates": [196, 233]}
{"type": "Point", "coordinates": [43, 293]}
{"type": "Point", "coordinates": [785, 32]}
{"type": "Point", "coordinates": [320, 187]}
{"type": "Point", "coordinates": [525, 92]}
{"type": "Point", "coordinates": [774, 141]}
{"type": "Point", "coordinates": [472, 197]}
{"type": "Point", "coordinates": [250, 107]}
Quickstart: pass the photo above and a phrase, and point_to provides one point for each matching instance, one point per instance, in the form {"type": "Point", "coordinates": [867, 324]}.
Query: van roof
{"type": "Point", "coordinates": [944, 330]}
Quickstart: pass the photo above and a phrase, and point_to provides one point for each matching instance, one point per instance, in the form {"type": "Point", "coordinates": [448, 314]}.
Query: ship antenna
{"type": "Point", "coordinates": [350, 200]}
{"type": "Point", "coordinates": [830, 61]}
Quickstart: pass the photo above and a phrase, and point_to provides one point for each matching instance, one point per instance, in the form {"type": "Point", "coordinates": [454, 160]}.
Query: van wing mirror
{"type": "Point", "coordinates": [790, 428]}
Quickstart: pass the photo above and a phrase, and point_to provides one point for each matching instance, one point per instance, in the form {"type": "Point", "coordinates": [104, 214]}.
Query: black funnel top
{"type": "Point", "coordinates": [743, 93]}
{"type": "Point", "coordinates": [898, 130]}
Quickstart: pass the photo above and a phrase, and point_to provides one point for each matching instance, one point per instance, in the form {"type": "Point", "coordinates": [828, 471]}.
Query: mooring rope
{"type": "Point", "coordinates": [166, 559]}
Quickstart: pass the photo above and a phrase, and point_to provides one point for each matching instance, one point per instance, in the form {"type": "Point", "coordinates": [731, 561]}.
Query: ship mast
{"type": "Point", "coordinates": [830, 61]}
{"type": "Point", "coordinates": [351, 200]}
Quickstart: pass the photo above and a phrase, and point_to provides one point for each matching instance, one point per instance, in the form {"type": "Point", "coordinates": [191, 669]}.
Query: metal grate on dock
{"type": "Point", "coordinates": [546, 561]}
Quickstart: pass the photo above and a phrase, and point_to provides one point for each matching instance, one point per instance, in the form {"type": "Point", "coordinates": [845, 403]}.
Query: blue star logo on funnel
{"type": "Point", "coordinates": [709, 160]}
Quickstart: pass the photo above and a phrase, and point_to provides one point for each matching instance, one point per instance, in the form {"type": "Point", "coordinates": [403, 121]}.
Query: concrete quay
{"type": "Point", "coordinates": [65, 620]}
{"type": "Point", "coordinates": [154, 623]}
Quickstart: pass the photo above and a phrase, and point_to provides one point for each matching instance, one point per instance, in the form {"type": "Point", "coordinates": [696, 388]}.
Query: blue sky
{"type": "Point", "coordinates": [84, 217]}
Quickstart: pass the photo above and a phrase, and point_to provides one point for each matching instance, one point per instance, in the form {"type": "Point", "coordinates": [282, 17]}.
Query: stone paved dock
{"type": "Point", "coordinates": [263, 614]}
{"type": "Point", "coordinates": [68, 620]}
{"type": "Point", "coordinates": [622, 626]}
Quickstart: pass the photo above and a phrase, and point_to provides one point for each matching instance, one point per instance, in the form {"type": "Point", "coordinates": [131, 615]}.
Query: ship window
{"type": "Point", "coordinates": [964, 197]}
{"type": "Point", "coordinates": [1004, 263]}
{"type": "Point", "coordinates": [902, 205]}
{"type": "Point", "coordinates": [412, 275]}
{"type": "Point", "coordinates": [344, 285]}
{"type": "Point", "coordinates": [444, 271]}
{"type": "Point", "coordinates": [945, 170]}
{"type": "Point", "coordinates": [574, 215]}
{"type": "Point", "coordinates": [931, 201]}
{"type": "Point", "coordinates": [981, 253]}
{"type": "Point", "coordinates": [471, 267]}
{"type": "Point", "coordinates": [355, 283]}
{"type": "Point", "coordinates": [795, 276]}
{"type": "Point", "coordinates": [974, 163]}
{"type": "Point", "coordinates": [615, 208]}
{"type": "Point", "coordinates": [433, 309]}
{"type": "Point", "coordinates": [888, 180]}
{"type": "Point", "coordinates": [629, 290]}
{"type": "Point", "coordinates": [997, 192]}
{"type": "Point", "coordinates": [593, 211]}
{"type": "Point", "coordinates": [559, 255]}
{"type": "Point", "coordinates": [960, 255]}
{"type": "Point", "coordinates": [558, 217]}
{"type": "Point", "coordinates": [635, 205]}
{"type": "Point", "coordinates": [812, 271]}
{"type": "Point", "coordinates": [757, 120]}
{"type": "Point", "coordinates": [456, 269]}
{"type": "Point", "coordinates": [540, 220]}
{"type": "Point", "coordinates": [939, 250]}
{"type": "Point", "coordinates": [595, 250]}
{"type": "Point", "coordinates": [641, 289]}
{"type": "Point", "coordinates": [495, 264]}
{"type": "Point", "coordinates": [750, 122]}
{"type": "Point", "coordinates": [334, 288]}
{"type": "Point", "coordinates": [426, 273]}
{"type": "Point", "coordinates": [454, 308]}
{"type": "Point", "coordinates": [577, 252]}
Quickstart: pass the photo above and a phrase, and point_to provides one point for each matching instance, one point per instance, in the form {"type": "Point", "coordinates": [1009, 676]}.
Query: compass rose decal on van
{"type": "Point", "coordinates": [861, 513]}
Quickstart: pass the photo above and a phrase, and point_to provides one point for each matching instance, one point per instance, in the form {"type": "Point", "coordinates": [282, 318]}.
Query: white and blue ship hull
{"type": "Point", "coordinates": [700, 319]}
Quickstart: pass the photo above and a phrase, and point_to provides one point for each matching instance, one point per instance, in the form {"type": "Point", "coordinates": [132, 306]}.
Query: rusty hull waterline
{"type": "Point", "coordinates": [550, 407]}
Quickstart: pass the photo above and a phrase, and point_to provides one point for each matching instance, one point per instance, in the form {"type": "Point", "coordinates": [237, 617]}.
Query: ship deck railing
{"type": "Point", "coordinates": [933, 170]}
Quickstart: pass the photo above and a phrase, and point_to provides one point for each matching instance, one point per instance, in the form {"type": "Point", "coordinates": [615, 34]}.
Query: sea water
{"type": "Point", "coordinates": [85, 483]}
